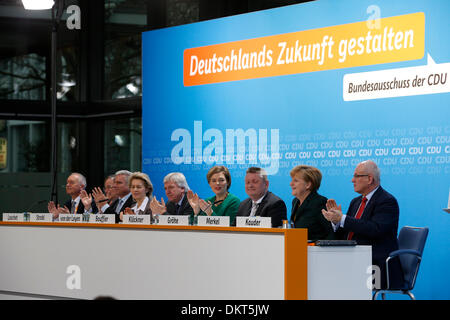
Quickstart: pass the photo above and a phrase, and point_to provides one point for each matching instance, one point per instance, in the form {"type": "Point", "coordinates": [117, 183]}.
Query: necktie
{"type": "Point", "coordinates": [119, 206]}
{"type": "Point", "coordinates": [177, 208]}
{"type": "Point", "coordinates": [358, 215]}
{"type": "Point", "coordinates": [72, 206]}
{"type": "Point", "coordinates": [254, 208]}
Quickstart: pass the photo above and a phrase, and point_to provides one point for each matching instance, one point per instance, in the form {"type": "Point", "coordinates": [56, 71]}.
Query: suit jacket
{"type": "Point", "coordinates": [185, 208]}
{"type": "Point", "coordinates": [309, 215]}
{"type": "Point", "coordinates": [270, 206]}
{"type": "Point", "coordinates": [112, 208]}
{"type": "Point", "coordinates": [377, 227]}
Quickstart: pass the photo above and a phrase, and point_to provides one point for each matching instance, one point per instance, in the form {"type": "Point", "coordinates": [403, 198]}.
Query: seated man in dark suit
{"type": "Point", "coordinates": [261, 201]}
{"type": "Point", "coordinates": [79, 202]}
{"type": "Point", "coordinates": [371, 219]}
{"type": "Point", "coordinates": [121, 190]}
{"type": "Point", "coordinates": [176, 187]}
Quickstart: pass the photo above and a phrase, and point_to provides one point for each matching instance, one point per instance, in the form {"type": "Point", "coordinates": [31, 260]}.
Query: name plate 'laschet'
{"type": "Point", "coordinates": [254, 222]}
{"type": "Point", "coordinates": [206, 221]}
{"type": "Point", "coordinates": [168, 220]}
{"type": "Point", "coordinates": [13, 217]}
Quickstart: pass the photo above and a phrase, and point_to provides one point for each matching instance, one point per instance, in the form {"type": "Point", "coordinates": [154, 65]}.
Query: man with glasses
{"type": "Point", "coordinates": [371, 219]}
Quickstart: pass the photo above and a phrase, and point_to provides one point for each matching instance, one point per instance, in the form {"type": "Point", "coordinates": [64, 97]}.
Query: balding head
{"type": "Point", "coordinates": [366, 177]}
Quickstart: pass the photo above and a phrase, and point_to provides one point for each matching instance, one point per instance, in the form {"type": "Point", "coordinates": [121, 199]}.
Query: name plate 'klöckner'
{"type": "Point", "coordinates": [206, 221]}
{"type": "Point", "coordinates": [254, 222]}
{"type": "Point", "coordinates": [136, 219]}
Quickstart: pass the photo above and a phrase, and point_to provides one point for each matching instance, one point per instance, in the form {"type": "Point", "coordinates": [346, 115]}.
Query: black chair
{"type": "Point", "coordinates": [411, 242]}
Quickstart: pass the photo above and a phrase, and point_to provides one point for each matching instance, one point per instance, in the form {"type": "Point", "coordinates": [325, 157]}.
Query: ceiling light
{"type": "Point", "coordinates": [37, 4]}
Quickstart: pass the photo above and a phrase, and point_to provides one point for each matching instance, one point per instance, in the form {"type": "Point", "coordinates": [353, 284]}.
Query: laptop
{"type": "Point", "coordinates": [335, 243]}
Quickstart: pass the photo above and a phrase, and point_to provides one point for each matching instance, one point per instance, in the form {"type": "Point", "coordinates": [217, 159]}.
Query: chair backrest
{"type": "Point", "coordinates": [411, 238]}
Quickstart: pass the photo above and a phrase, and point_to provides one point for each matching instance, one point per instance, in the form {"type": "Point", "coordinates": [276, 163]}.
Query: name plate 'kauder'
{"type": "Point", "coordinates": [13, 217]}
{"type": "Point", "coordinates": [136, 219]}
{"type": "Point", "coordinates": [168, 220]}
{"type": "Point", "coordinates": [254, 222]}
{"type": "Point", "coordinates": [41, 217]}
{"type": "Point", "coordinates": [102, 218]}
{"type": "Point", "coordinates": [207, 221]}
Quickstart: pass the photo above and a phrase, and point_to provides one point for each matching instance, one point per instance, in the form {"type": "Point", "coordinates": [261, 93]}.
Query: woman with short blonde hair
{"type": "Point", "coordinates": [308, 204]}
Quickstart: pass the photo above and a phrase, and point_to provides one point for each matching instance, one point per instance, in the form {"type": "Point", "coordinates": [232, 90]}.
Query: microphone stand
{"type": "Point", "coordinates": [57, 10]}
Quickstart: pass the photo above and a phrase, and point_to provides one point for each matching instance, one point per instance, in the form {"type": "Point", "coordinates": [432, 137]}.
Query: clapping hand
{"type": "Point", "coordinates": [126, 211]}
{"type": "Point", "coordinates": [333, 212]}
{"type": "Point", "coordinates": [99, 197]}
{"type": "Point", "coordinates": [206, 207]}
{"type": "Point", "coordinates": [193, 201]}
{"type": "Point", "coordinates": [86, 199]}
{"type": "Point", "coordinates": [56, 210]}
{"type": "Point", "coordinates": [158, 207]}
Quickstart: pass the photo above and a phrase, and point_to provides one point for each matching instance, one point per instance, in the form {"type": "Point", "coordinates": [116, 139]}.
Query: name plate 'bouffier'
{"type": "Point", "coordinates": [168, 220]}
{"type": "Point", "coordinates": [102, 218]}
{"type": "Point", "coordinates": [254, 222]}
{"type": "Point", "coordinates": [41, 217]}
{"type": "Point", "coordinates": [206, 221]}
{"type": "Point", "coordinates": [136, 219]}
{"type": "Point", "coordinates": [13, 217]}
{"type": "Point", "coordinates": [71, 217]}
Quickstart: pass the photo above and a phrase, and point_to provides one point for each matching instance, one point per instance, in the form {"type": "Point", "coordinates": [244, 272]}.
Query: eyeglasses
{"type": "Point", "coordinates": [360, 175]}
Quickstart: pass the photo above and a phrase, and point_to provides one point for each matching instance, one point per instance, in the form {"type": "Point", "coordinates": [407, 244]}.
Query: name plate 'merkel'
{"type": "Point", "coordinates": [136, 219]}
{"type": "Point", "coordinates": [41, 217]}
{"type": "Point", "coordinates": [102, 218]}
{"type": "Point", "coordinates": [254, 222]}
{"type": "Point", "coordinates": [71, 217]}
{"type": "Point", "coordinates": [13, 217]}
{"type": "Point", "coordinates": [206, 221]}
{"type": "Point", "coordinates": [167, 220]}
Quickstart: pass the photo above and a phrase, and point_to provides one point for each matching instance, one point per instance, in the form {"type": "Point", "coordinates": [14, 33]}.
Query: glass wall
{"type": "Point", "coordinates": [123, 145]}
{"type": "Point", "coordinates": [23, 77]}
{"type": "Point", "coordinates": [124, 22]}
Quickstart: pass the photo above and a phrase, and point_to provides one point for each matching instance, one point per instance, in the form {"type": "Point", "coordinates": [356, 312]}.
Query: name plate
{"type": "Point", "coordinates": [207, 221]}
{"type": "Point", "coordinates": [254, 222]}
{"type": "Point", "coordinates": [136, 219]}
{"type": "Point", "coordinates": [41, 217]}
{"type": "Point", "coordinates": [167, 220]}
{"type": "Point", "coordinates": [70, 217]}
{"type": "Point", "coordinates": [102, 218]}
{"type": "Point", "coordinates": [16, 217]}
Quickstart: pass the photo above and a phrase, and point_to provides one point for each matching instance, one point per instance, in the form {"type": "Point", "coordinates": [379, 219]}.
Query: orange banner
{"type": "Point", "coordinates": [396, 39]}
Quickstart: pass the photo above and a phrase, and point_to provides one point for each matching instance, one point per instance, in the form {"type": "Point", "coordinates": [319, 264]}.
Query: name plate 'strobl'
{"type": "Point", "coordinates": [206, 221]}
{"type": "Point", "coordinates": [70, 217]}
{"type": "Point", "coordinates": [168, 220]}
{"type": "Point", "coordinates": [102, 218]}
{"type": "Point", "coordinates": [254, 222]}
{"type": "Point", "coordinates": [41, 217]}
{"type": "Point", "coordinates": [13, 217]}
{"type": "Point", "coordinates": [136, 219]}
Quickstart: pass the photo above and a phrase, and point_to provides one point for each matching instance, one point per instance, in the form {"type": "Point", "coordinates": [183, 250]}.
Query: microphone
{"type": "Point", "coordinates": [35, 204]}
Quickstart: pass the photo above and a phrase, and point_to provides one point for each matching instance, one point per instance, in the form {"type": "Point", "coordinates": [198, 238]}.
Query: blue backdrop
{"type": "Point", "coordinates": [303, 119]}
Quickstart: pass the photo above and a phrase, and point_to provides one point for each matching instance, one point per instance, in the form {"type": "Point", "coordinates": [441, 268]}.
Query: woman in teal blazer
{"type": "Point", "coordinates": [308, 204]}
{"type": "Point", "coordinates": [223, 203]}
